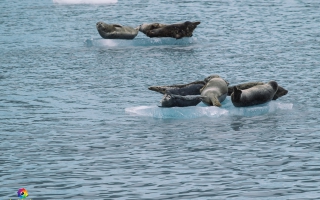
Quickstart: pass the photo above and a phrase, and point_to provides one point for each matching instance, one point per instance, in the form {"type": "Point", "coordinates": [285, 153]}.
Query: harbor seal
{"type": "Point", "coordinates": [214, 92]}
{"type": "Point", "coordinates": [192, 88]}
{"type": "Point", "coordinates": [171, 100]}
{"type": "Point", "coordinates": [177, 31]}
{"type": "Point", "coordinates": [255, 95]}
{"type": "Point", "coordinates": [144, 28]}
{"type": "Point", "coordinates": [280, 92]}
{"type": "Point", "coordinates": [116, 31]}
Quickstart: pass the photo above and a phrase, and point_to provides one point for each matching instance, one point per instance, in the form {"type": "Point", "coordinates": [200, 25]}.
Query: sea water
{"type": "Point", "coordinates": [77, 120]}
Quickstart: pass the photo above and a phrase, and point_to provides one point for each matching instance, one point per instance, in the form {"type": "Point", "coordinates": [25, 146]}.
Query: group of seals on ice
{"type": "Point", "coordinates": [213, 90]}
{"type": "Point", "coordinates": [116, 31]}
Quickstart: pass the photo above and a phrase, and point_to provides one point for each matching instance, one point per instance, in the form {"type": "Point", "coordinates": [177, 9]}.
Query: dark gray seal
{"type": "Point", "coordinates": [171, 100]}
{"type": "Point", "coordinates": [214, 92]}
{"type": "Point", "coordinates": [280, 92]}
{"type": "Point", "coordinates": [255, 95]}
{"type": "Point", "coordinates": [192, 88]}
{"type": "Point", "coordinates": [144, 28]}
{"type": "Point", "coordinates": [116, 31]}
{"type": "Point", "coordinates": [177, 31]}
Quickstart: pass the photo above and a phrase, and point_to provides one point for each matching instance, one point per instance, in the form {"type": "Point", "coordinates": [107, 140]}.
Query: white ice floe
{"type": "Point", "coordinates": [139, 42]}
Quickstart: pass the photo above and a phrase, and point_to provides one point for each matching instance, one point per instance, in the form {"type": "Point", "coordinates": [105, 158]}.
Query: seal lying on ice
{"type": "Point", "coordinates": [116, 31]}
{"type": "Point", "coordinates": [214, 92]}
{"type": "Point", "coordinates": [144, 28]}
{"type": "Point", "coordinates": [171, 100]}
{"type": "Point", "coordinates": [255, 95]}
{"type": "Point", "coordinates": [280, 92]}
{"type": "Point", "coordinates": [192, 88]}
{"type": "Point", "coordinates": [177, 31]}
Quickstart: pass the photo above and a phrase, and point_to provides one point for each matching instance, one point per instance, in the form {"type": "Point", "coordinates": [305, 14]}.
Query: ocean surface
{"type": "Point", "coordinates": [77, 120]}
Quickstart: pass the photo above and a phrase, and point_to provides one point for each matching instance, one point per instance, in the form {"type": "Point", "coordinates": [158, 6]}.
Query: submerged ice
{"type": "Point", "coordinates": [201, 110]}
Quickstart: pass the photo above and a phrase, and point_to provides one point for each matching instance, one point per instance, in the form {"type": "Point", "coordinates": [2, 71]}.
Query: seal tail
{"type": "Point", "coordinates": [196, 23]}
{"type": "Point", "coordinates": [157, 89]}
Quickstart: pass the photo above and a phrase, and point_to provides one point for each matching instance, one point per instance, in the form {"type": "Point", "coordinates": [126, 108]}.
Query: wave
{"type": "Point", "coordinates": [85, 1]}
{"type": "Point", "coordinates": [201, 110]}
{"type": "Point", "coordinates": [139, 42]}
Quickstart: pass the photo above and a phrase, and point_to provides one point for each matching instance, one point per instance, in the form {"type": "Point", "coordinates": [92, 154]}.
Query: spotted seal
{"type": "Point", "coordinates": [280, 92]}
{"type": "Point", "coordinates": [255, 95]}
{"type": "Point", "coordinates": [116, 31]}
{"type": "Point", "coordinates": [144, 28]}
{"type": "Point", "coordinates": [171, 100]}
{"type": "Point", "coordinates": [177, 31]}
{"type": "Point", "coordinates": [214, 92]}
{"type": "Point", "coordinates": [192, 88]}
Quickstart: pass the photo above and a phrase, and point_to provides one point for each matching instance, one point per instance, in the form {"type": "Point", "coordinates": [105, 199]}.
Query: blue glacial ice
{"type": "Point", "coordinates": [201, 110]}
{"type": "Point", "coordinates": [111, 43]}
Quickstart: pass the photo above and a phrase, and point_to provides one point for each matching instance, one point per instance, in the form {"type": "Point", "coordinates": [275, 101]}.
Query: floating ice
{"type": "Point", "coordinates": [139, 42]}
{"type": "Point", "coordinates": [85, 1]}
{"type": "Point", "coordinates": [177, 112]}
{"type": "Point", "coordinates": [201, 110]}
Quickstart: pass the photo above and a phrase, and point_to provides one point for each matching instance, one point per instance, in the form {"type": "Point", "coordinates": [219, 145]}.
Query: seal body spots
{"type": "Point", "coordinates": [255, 95]}
{"type": "Point", "coordinates": [171, 100]}
{"type": "Point", "coordinates": [144, 28]}
{"type": "Point", "coordinates": [115, 31]}
{"type": "Point", "coordinates": [192, 88]}
{"type": "Point", "coordinates": [280, 92]}
{"type": "Point", "coordinates": [177, 31]}
{"type": "Point", "coordinates": [214, 92]}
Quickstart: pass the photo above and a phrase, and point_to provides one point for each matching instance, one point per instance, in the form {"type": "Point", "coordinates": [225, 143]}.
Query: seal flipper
{"type": "Point", "coordinates": [215, 102]}
{"type": "Point", "coordinates": [159, 89]}
{"type": "Point", "coordinates": [196, 23]}
{"type": "Point", "coordinates": [117, 25]}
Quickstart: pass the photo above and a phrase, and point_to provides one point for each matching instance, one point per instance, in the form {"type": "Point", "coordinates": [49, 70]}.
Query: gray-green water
{"type": "Point", "coordinates": [78, 122]}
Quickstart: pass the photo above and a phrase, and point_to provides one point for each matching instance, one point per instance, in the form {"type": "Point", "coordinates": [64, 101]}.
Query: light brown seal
{"type": "Point", "coordinates": [116, 31]}
{"type": "Point", "coordinates": [214, 92]}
